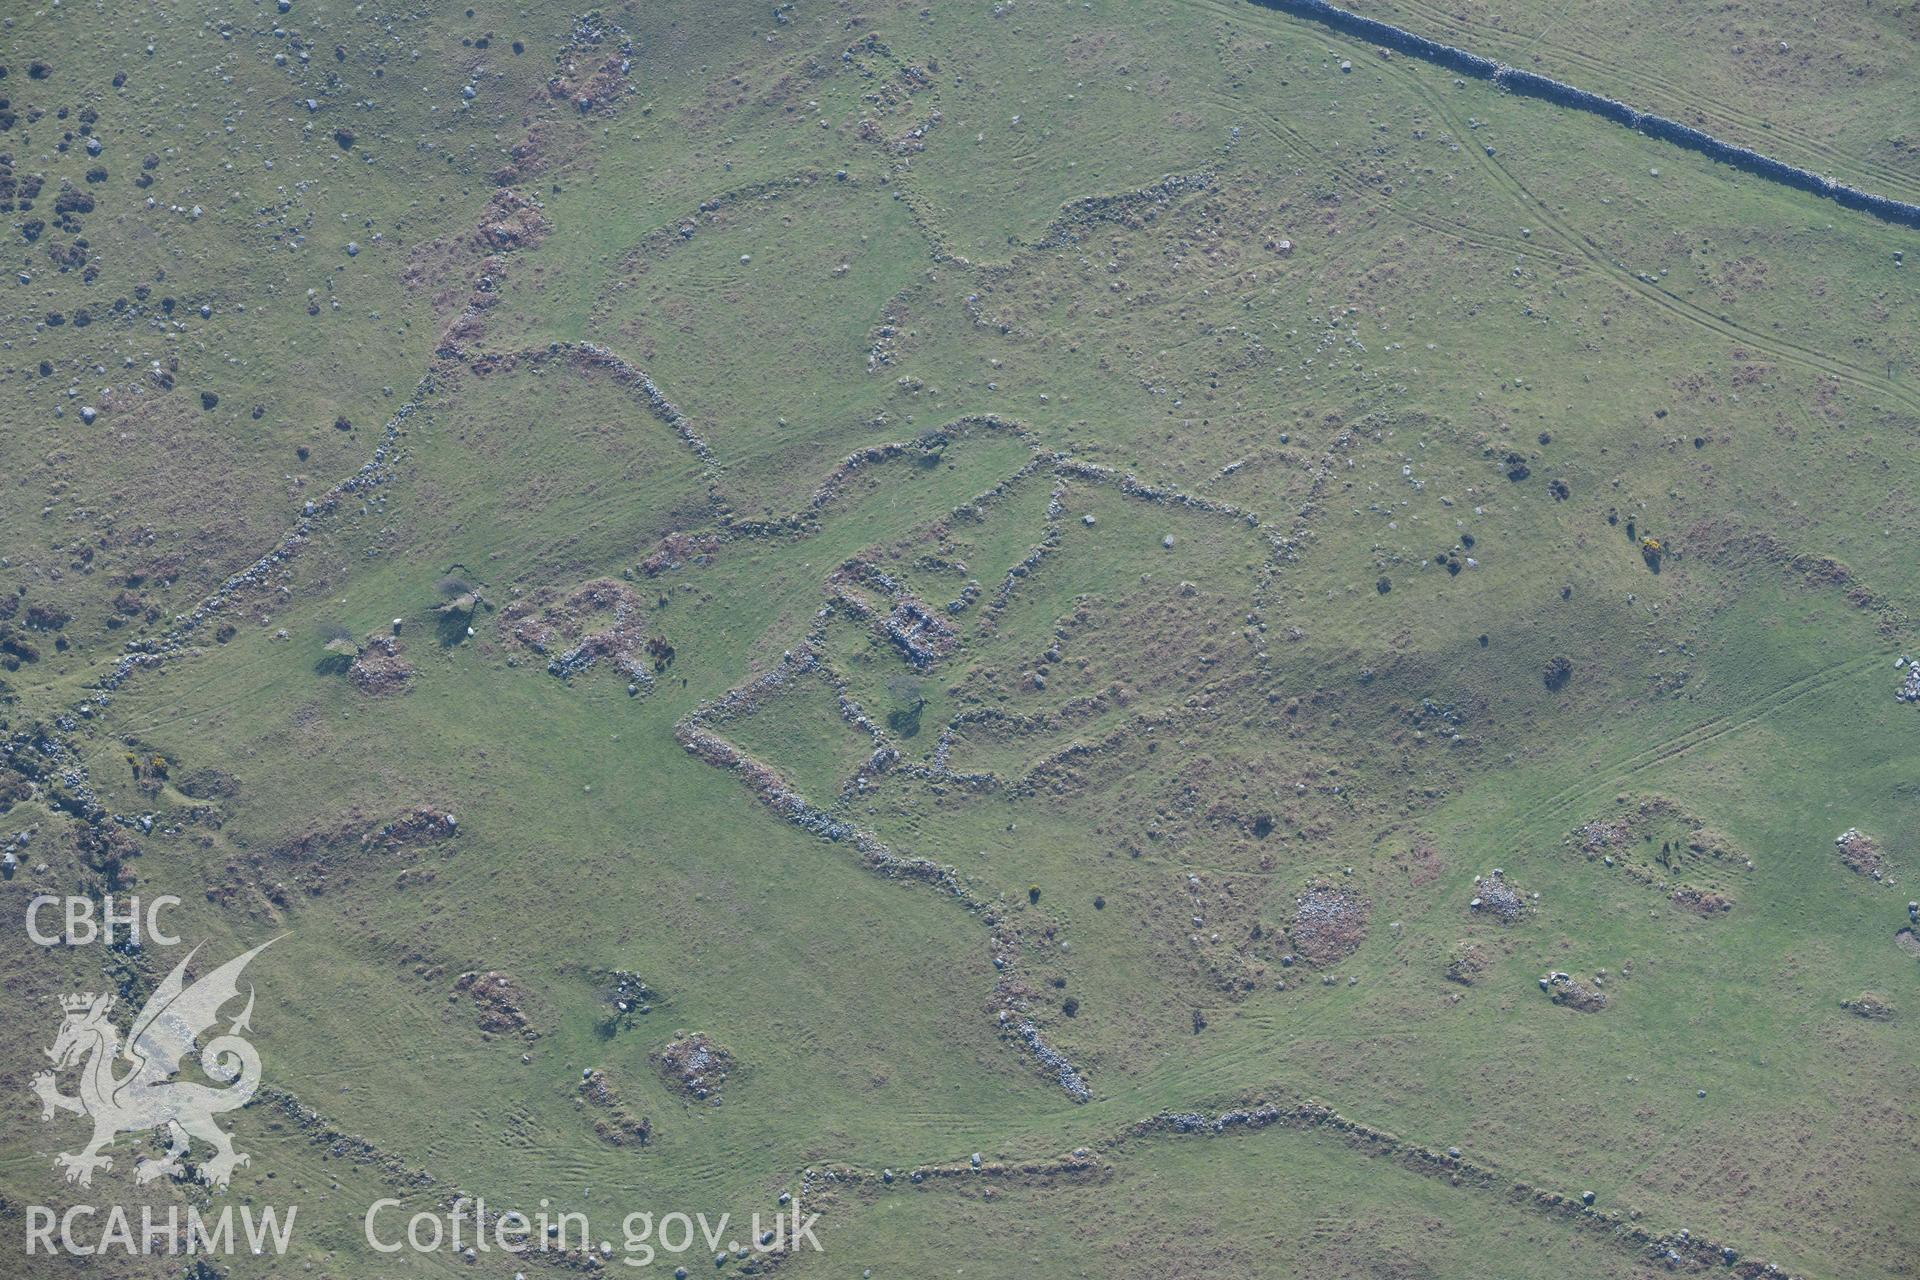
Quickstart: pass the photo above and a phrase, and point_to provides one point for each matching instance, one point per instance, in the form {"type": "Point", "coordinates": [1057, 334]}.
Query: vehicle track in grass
{"type": "Point", "coordinates": [1584, 245]}
{"type": "Point", "coordinates": [1601, 778]}
{"type": "Point", "coordinates": [1276, 128]}
{"type": "Point", "coordinates": [1585, 254]}
{"type": "Point", "coordinates": [1581, 246]}
{"type": "Point", "coordinates": [1652, 89]}
{"type": "Point", "coordinates": [1280, 1028]}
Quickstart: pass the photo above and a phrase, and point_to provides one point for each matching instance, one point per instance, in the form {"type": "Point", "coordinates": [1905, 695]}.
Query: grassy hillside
{"type": "Point", "coordinates": [1026, 570]}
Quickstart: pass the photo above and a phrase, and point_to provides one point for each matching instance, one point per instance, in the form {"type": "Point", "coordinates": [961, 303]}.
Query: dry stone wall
{"type": "Point", "coordinates": [1533, 85]}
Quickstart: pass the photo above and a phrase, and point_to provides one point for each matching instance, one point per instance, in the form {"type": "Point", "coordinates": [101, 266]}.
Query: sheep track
{"type": "Point", "coordinates": [1533, 85]}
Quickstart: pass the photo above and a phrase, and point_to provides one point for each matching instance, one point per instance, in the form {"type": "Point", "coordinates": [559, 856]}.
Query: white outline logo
{"type": "Point", "coordinates": [145, 1096]}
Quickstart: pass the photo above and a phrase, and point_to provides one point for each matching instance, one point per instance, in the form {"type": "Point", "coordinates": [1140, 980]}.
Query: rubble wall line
{"type": "Point", "coordinates": [1677, 1251]}
{"type": "Point", "coordinates": [1532, 85]}
{"type": "Point", "coordinates": [696, 736]}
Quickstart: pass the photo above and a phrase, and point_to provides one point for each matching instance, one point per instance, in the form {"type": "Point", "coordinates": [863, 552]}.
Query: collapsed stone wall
{"type": "Point", "coordinates": [1676, 1251]}
{"type": "Point", "coordinates": [695, 734]}
{"type": "Point", "coordinates": [1392, 37]}
{"type": "Point", "coordinates": [1533, 85]}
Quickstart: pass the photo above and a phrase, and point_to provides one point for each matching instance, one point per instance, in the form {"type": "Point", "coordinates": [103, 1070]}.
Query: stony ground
{"type": "Point", "coordinates": [1106, 639]}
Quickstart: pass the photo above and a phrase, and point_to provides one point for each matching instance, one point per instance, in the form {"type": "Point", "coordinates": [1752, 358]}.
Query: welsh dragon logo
{"type": "Point", "coordinates": [145, 1095]}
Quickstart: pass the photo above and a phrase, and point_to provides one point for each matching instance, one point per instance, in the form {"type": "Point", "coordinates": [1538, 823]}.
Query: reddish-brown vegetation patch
{"type": "Point", "coordinates": [600, 619]}
{"type": "Point", "coordinates": [1422, 863]}
{"type": "Point", "coordinates": [1861, 853]}
{"type": "Point", "coordinates": [379, 670]}
{"type": "Point", "coordinates": [677, 549]}
{"type": "Point", "coordinates": [1329, 924]}
{"type": "Point", "coordinates": [695, 1065]}
{"type": "Point", "coordinates": [1702, 901]}
{"type": "Point", "coordinates": [615, 1123]}
{"type": "Point", "coordinates": [318, 858]}
{"type": "Point", "coordinates": [1469, 964]}
{"type": "Point", "coordinates": [496, 1002]}
{"type": "Point", "coordinates": [513, 220]}
{"type": "Point", "coordinates": [1568, 991]}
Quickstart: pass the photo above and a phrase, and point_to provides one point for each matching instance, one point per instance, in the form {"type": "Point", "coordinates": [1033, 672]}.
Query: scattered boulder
{"type": "Point", "coordinates": [1666, 848]}
{"type": "Point", "coordinates": [496, 1002]}
{"type": "Point", "coordinates": [1493, 896]}
{"type": "Point", "coordinates": [695, 1066]}
{"type": "Point", "coordinates": [512, 221]}
{"type": "Point", "coordinates": [1861, 853]}
{"type": "Point", "coordinates": [379, 670]}
{"type": "Point", "coordinates": [1469, 964]}
{"type": "Point", "coordinates": [615, 1124]}
{"type": "Point", "coordinates": [601, 619]}
{"type": "Point", "coordinates": [1567, 990]}
{"type": "Point", "coordinates": [1870, 1005]}
{"type": "Point", "coordinates": [1329, 924]}
{"type": "Point", "coordinates": [1704, 902]}
{"type": "Point", "coordinates": [422, 824]}
{"type": "Point", "coordinates": [1909, 688]}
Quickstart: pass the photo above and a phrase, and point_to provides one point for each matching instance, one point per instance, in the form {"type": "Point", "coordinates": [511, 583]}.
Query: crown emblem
{"type": "Point", "coordinates": [131, 1089]}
